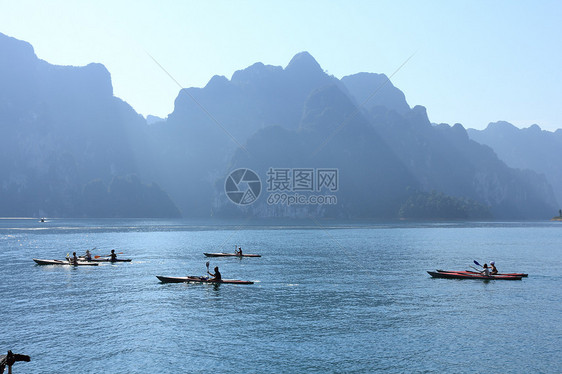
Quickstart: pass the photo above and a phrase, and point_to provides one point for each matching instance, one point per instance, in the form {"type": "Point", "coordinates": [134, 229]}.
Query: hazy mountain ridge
{"type": "Point", "coordinates": [199, 148]}
{"type": "Point", "coordinates": [443, 158]}
{"type": "Point", "coordinates": [527, 148]}
{"type": "Point", "coordinates": [405, 152]}
{"type": "Point", "coordinates": [72, 148]}
{"type": "Point", "coordinates": [60, 127]}
{"type": "Point", "coordinates": [375, 190]}
{"type": "Point", "coordinates": [375, 90]}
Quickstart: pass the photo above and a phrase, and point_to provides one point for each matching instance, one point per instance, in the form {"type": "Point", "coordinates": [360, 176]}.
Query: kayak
{"type": "Point", "coordinates": [104, 259]}
{"type": "Point", "coordinates": [229, 255]}
{"type": "Point", "coordinates": [60, 262]}
{"type": "Point", "coordinates": [453, 275]}
{"type": "Point", "coordinates": [475, 272]}
{"type": "Point", "coordinates": [195, 279]}
{"type": "Point", "coordinates": [110, 260]}
{"type": "Point", "coordinates": [462, 275]}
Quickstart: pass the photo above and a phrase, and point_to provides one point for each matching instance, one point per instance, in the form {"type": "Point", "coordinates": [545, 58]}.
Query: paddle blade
{"type": "Point", "coordinates": [476, 262]}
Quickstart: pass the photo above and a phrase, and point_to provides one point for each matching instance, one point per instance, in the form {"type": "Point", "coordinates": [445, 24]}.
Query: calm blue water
{"type": "Point", "coordinates": [329, 299]}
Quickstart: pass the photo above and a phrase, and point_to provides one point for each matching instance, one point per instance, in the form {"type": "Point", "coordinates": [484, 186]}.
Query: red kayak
{"type": "Point", "coordinates": [453, 275]}
{"type": "Point", "coordinates": [476, 272]}
{"type": "Point", "coordinates": [195, 279]}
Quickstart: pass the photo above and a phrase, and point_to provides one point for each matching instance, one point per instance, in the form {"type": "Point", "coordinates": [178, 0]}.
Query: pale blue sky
{"type": "Point", "coordinates": [475, 62]}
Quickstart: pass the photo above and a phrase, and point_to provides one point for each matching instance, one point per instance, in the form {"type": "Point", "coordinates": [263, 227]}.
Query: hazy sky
{"type": "Point", "coordinates": [475, 61]}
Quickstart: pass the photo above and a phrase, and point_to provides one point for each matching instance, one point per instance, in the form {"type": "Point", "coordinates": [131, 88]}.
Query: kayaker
{"type": "Point", "coordinates": [113, 255]}
{"type": "Point", "coordinates": [239, 252]}
{"type": "Point", "coordinates": [494, 269]}
{"type": "Point", "coordinates": [216, 276]}
{"type": "Point", "coordinates": [88, 255]}
{"type": "Point", "coordinates": [74, 258]}
{"type": "Point", "coordinates": [486, 271]}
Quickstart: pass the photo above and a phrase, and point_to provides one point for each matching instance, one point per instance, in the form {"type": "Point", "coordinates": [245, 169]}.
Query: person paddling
{"type": "Point", "coordinates": [486, 271]}
{"type": "Point", "coordinates": [239, 252]}
{"type": "Point", "coordinates": [88, 255]}
{"type": "Point", "coordinates": [74, 258]}
{"type": "Point", "coordinates": [217, 276]}
{"type": "Point", "coordinates": [494, 269]}
{"type": "Point", "coordinates": [113, 256]}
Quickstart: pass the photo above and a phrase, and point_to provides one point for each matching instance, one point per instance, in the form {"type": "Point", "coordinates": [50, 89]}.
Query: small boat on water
{"type": "Point", "coordinates": [475, 272]}
{"type": "Point", "coordinates": [103, 259]}
{"type": "Point", "coordinates": [229, 255]}
{"type": "Point", "coordinates": [196, 279]}
{"type": "Point", "coordinates": [463, 275]}
{"type": "Point", "coordinates": [110, 260]}
{"type": "Point", "coordinates": [68, 263]}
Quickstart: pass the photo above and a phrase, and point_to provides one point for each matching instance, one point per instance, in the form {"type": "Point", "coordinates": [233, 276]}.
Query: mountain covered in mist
{"type": "Point", "coordinates": [73, 149]}
{"type": "Point", "coordinates": [398, 166]}
{"type": "Point", "coordinates": [393, 163]}
{"type": "Point", "coordinates": [529, 148]}
{"type": "Point", "coordinates": [61, 129]}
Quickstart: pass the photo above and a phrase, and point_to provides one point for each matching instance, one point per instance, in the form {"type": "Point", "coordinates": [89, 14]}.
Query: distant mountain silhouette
{"type": "Point", "coordinates": [197, 144]}
{"type": "Point", "coordinates": [387, 160]}
{"type": "Point", "coordinates": [373, 181]}
{"type": "Point", "coordinates": [528, 148]}
{"type": "Point", "coordinates": [73, 149]}
{"type": "Point", "coordinates": [60, 127]}
{"type": "Point", "coordinates": [371, 90]}
{"type": "Point", "coordinates": [444, 159]}
{"type": "Point", "coordinates": [150, 119]}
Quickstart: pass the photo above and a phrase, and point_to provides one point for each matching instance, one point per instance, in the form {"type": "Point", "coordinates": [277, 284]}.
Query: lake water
{"type": "Point", "coordinates": [327, 298]}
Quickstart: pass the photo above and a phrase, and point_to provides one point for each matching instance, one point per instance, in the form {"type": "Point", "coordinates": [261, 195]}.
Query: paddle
{"type": "Point", "coordinates": [120, 253]}
{"type": "Point", "coordinates": [478, 270]}
{"type": "Point", "coordinates": [207, 264]}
